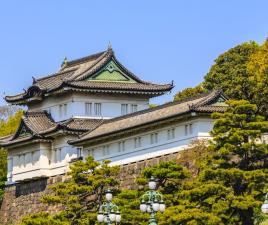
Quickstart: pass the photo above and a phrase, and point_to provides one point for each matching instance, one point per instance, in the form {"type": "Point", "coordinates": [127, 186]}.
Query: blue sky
{"type": "Point", "coordinates": [159, 41]}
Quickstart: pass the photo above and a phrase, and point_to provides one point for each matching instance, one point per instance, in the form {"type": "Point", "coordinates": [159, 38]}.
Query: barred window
{"type": "Point", "coordinates": [60, 110]}
{"type": "Point", "coordinates": [65, 110]}
{"type": "Point", "coordinates": [97, 109]}
{"type": "Point", "coordinates": [88, 109]}
{"type": "Point", "coordinates": [124, 109]}
{"type": "Point", "coordinates": [105, 150]}
{"type": "Point", "coordinates": [188, 129]}
{"type": "Point", "coordinates": [79, 152]}
{"type": "Point", "coordinates": [171, 133]}
{"type": "Point", "coordinates": [137, 142]}
{"type": "Point", "coordinates": [57, 155]}
{"type": "Point", "coordinates": [154, 138]}
{"type": "Point", "coordinates": [121, 146]}
{"type": "Point", "coordinates": [134, 108]}
{"type": "Point", "coordinates": [91, 152]}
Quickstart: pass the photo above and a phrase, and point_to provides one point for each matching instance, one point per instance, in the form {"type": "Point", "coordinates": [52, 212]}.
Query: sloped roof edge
{"type": "Point", "coordinates": [155, 114]}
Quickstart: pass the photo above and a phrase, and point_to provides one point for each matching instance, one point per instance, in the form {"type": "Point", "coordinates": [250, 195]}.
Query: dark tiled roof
{"type": "Point", "coordinates": [23, 139]}
{"type": "Point", "coordinates": [38, 124]}
{"type": "Point", "coordinates": [74, 73]}
{"type": "Point", "coordinates": [112, 126]}
{"type": "Point", "coordinates": [120, 86]}
{"type": "Point", "coordinates": [81, 124]}
{"type": "Point", "coordinates": [210, 109]}
{"type": "Point", "coordinates": [53, 81]}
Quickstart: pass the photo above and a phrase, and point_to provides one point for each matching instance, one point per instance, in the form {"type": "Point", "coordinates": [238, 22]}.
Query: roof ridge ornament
{"type": "Point", "coordinates": [34, 80]}
{"type": "Point", "coordinates": [109, 46]}
{"type": "Point", "coordinates": [64, 63]}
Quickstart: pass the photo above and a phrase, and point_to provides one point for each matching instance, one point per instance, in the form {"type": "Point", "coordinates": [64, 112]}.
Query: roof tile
{"type": "Point", "coordinates": [154, 114]}
{"type": "Point", "coordinates": [74, 73]}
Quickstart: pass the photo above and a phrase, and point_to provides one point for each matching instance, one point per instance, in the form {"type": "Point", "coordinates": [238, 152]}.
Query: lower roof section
{"type": "Point", "coordinates": [205, 103]}
{"type": "Point", "coordinates": [39, 126]}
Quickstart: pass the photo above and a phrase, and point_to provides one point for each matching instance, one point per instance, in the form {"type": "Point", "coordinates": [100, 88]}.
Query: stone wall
{"type": "Point", "coordinates": [24, 198]}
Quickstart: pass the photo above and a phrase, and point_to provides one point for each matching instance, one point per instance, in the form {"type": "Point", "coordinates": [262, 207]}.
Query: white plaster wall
{"type": "Point", "coordinates": [40, 159]}
{"type": "Point", "coordinates": [36, 160]}
{"type": "Point", "coordinates": [67, 154]}
{"type": "Point", "coordinates": [26, 162]}
{"type": "Point", "coordinates": [111, 104]}
{"type": "Point", "coordinates": [200, 129]}
{"type": "Point", "coordinates": [204, 126]}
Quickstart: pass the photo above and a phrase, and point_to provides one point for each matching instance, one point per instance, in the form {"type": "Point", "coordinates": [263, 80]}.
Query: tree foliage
{"type": "Point", "coordinates": [10, 125]}
{"type": "Point", "coordinates": [190, 92]}
{"type": "Point", "coordinates": [44, 218]}
{"type": "Point", "coordinates": [3, 172]}
{"type": "Point", "coordinates": [258, 62]}
{"type": "Point", "coordinates": [7, 127]}
{"type": "Point", "coordinates": [230, 73]}
{"type": "Point", "coordinates": [170, 176]}
{"type": "Point", "coordinates": [230, 188]}
{"type": "Point", "coordinates": [230, 177]}
{"type": "Point", "coordinates": [81, 195]}
{"type": "Point", "coordinates": [241, 72]}
{"type": "Point", "coordinates": [258, 67]}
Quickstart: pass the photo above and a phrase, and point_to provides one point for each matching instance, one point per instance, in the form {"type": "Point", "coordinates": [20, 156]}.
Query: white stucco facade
{"type": "Point", "coordinates": [82, 95]}
{"type": "Point", "coordinates": [50, 159]}
{"type": "Point", "coordinates": [153, 143]}
{"type": "Point", "coordinates": [40, 159]}
{"type": "Point", "coordinates": [91, 105]}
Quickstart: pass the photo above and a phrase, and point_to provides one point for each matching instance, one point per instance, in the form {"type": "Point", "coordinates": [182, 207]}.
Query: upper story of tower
{"type": "Point", "coordinates": [96, 86]}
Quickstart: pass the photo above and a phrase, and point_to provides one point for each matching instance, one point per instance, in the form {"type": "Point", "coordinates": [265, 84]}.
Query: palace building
{"type": "Point", "coordinates": [95, 106]}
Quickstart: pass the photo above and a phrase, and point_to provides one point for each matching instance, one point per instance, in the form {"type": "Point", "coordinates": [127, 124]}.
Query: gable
{"type": "Point", "coordinates": [23, 131]}
{"type": "Point", "coordinates": [111, 73]}
{"type": "Point", "coordinates": [219, 101]}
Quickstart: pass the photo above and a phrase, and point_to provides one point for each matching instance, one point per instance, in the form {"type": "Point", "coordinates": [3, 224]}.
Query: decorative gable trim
{"type": "Point", "coordinates": [22, 131]}
{"type": "Point", "coordinates": [111, 73]}
{"type": "Point", "coordinates": [83, 74]}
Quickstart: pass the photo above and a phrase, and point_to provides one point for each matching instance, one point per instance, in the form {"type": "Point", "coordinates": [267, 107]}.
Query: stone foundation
{"type": "Point", "coordinates": [24, 198]}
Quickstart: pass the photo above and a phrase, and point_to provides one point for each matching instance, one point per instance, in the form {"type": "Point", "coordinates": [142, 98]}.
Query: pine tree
{"type": "Point", "coordinates": [170, 176]}
{"type": "Point", "coordinates": [232, 183]}
{"type": "Point", "coordinates": [81, 194]}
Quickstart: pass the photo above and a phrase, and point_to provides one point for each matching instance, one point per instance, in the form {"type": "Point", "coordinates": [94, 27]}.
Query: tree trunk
{"type": "Point", "coordinates": [247, 217]}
